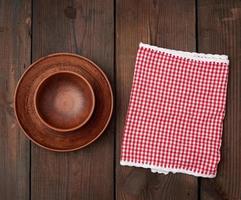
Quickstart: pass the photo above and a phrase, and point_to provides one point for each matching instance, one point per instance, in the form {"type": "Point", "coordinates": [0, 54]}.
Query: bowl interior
{"type": "Point", "coordinates": [64, 101]}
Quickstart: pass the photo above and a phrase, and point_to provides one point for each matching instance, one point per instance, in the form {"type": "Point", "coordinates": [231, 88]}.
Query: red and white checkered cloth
{"type": "Point", "coordinates": [175, 116]}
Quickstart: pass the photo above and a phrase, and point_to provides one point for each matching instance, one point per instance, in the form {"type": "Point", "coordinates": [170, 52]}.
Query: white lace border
{"type": "Point", "coordinates": [190, 55]}
{"type": "Point", "coordinates": [163, 170]}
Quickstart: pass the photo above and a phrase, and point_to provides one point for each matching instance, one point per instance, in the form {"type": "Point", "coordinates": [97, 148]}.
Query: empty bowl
{"type": "Point", "coordinates": [64, 101]}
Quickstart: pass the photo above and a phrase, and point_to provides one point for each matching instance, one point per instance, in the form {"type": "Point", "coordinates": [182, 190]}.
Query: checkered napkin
{"type": "Point", "coordinates": [175, 116]}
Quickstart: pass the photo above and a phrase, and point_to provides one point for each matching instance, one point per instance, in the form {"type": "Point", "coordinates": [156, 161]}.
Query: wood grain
{"type": "Point", "coordinates": [86, 28]}
{"type": "Point", "coordinates": [219, 31]}
{"type": "Point", "coordinates": [15, 51]}
{"type": "Point", "coordinates": [169, 24]}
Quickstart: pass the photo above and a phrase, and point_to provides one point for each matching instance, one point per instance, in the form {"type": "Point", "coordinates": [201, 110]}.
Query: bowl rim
{"type": "Point", "coordinates": [63, 54]}
{"type": "Point", "coordinates": [64, 130]}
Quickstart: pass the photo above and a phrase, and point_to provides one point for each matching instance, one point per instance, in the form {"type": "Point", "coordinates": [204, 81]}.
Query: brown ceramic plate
{"type": "Point", "coordinates": [28, 117]}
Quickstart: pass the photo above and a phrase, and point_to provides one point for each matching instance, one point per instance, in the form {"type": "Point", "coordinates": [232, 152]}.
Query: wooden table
{"type": "Point", "coordinates": [108, 32]}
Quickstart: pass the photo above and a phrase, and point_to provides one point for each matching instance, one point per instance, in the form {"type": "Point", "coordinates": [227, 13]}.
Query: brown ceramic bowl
{"type": "Point", "coordinates": [64, 101]}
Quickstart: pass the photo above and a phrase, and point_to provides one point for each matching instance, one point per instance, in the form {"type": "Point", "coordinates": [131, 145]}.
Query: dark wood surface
{"type": "Point", "coordinates": [219, 30]}
{"type": "Point", "coordinates": [15, 54]}
{"type": "Point", "coordinates": [108, 32]}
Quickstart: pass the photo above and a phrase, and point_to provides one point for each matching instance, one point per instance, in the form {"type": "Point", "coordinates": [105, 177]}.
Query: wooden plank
{"type": "Point", "coordinates": [15, 54]}
{"type": "Point", "coordinates": [219, 32]}
{"type": "Point", "coordinates": [169, 24]}
{"type": "Point", "coordinates": [86, 28]}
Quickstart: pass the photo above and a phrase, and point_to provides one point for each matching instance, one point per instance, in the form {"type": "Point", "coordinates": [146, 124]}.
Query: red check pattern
{"type": "Point", "coordinates": [176, 110]}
